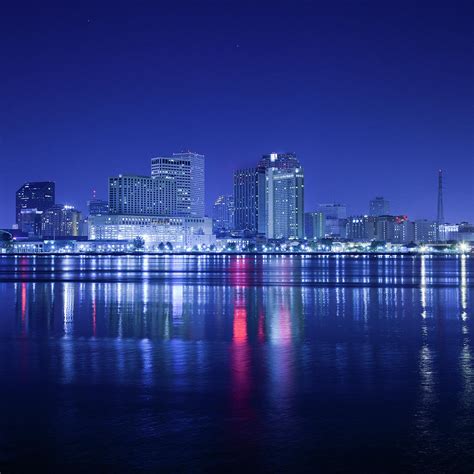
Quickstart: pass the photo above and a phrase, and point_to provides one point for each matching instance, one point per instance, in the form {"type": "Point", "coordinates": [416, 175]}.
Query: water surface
{"type": "Point", "coordinates": [269, 363]}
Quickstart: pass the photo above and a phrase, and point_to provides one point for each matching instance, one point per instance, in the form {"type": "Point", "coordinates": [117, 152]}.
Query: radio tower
{"type": "Point", "coordinates": [440, 216]}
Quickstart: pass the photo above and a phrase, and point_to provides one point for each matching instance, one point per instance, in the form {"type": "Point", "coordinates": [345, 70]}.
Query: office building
{"type": "Point", "coordinates": [315, 225]}
{"type": "Point", "coordinates": [285, 203]}
{"type": "Point", "coordinates": [249, 201]}
{"type": "Point", "coordinates": [223, 214]}
{"type": "Point", "coordinates": [379, 206]}
{"type": "Point", "coordinates": [425, 231]}
{"type": "Point", "coordinates": [35, 195]}
{"type": "Point", "coordinates": [60, 221]}
{"type": "Point", "coordinates": [181, 232]}
{"type": "Point", "coordinates": [142, 195]}
{"type": "Point", "coordinates": [360, 228]}
{"type": "Point", "coordinates": [187, 170]}
{"type": "Point", "coordinates": [279, 161]}
{"type": "Point", "coordinates": [335, 214]}
{"type": "Point", "coordinates": [97, 206]}
{"type": "Point", "coordinates": [30, 222]}
{"type": "Point", "coordinates": [394, 229]}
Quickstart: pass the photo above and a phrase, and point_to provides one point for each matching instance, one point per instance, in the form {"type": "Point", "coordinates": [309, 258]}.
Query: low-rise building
{"type": "Point", "coordinates": [181, 232]}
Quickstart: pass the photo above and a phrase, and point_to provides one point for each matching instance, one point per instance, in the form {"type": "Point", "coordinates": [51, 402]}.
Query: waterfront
{"type": "Point", "coordinates": [237, 362]}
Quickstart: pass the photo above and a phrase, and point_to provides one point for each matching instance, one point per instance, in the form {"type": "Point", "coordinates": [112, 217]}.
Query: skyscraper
{"type": "Point", "coordinates": [188, 171]}
{"type": "Point", "coordinates": [35, 195]}
{"type": "Point", "coordinates": [142, 195]}
{"type": "Point", "coordinates": [249, 200]}
{"type": "Point", "coordinates": [285, 203]}
{"type": "Point", "coordinates": [379, 206]}
{"type": "Point", "coordinates": [97, 206]}
{"type": "Point", "coordinates": [314, 225]}
{"type": "Point", "coordinates": [335, 214]}
{"type": "Point", "coordinates": [30, 222]}
{"type": "Point", "coordinates": [223, 214]}
{"type": "Point", "coordinates": [256, 204]}
{"type": "Point", "coordinates": [279, 161]}
{"type": "Point", "coordinates": [60, 221]}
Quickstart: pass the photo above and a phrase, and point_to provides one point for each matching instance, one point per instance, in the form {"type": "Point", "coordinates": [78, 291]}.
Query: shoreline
{"type": "Point", "coordinates": [239, 254]}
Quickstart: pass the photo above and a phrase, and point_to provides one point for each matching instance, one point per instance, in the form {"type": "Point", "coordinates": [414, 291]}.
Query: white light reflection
{"type": "Point", "coordinates": [423, 286]}
{"type": "Point", "coordinates": [68, 308]}
{"type": "Point", "coordinates": [463, 288]}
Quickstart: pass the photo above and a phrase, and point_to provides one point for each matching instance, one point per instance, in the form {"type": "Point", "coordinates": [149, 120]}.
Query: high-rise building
{"type": "Point", "coordinates": [315, 225]}
{"type": "Point", "coordinates": [97, 206]}
{"type": "Point", "coordinates": [360, 228]}
{"type": "Point", "coordinates": [279, 161]}
{"type": "Point", "coordinates": [30, 222]}
{"type": "Point", "coordinates": [285, 203]}
{"type": "Point", "coordinates": [60, 221]}
{"type": "Point", "coordinates": [256, 203]}
{"type": "Point", "coordinates": [249, 200]}
{"type": "Point", "coordinates": [335, 214]}
{"type": "Point", "coordinates": [395, 229]}
{"type": "Point", "coordinates": [35, 195]}
{"type": "Point", "coordinates": [142, 195]}
{"type": "Point", "coordinates": [223, 214]}
{"type": "Point", "coordinates": [379, 206]}
{"type": "Point", "coordinates": [187, 169]}
{"type": "Point", "coordinates": [425, 231]}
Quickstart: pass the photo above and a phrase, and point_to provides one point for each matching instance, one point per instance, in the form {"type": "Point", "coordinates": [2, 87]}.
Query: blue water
{"type": "Point", "coordinates": [228, 363]}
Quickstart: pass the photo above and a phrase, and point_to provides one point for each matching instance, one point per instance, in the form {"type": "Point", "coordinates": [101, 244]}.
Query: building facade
{"type": "Point", "coordinates": [425, 231]}
{"type": "Point", "coordinates": [30, 222]}
{"type": "Point", "coordinates": [315, 225]}
{"type": "Point", "coordinates": [223, 214]}
{"type": "Point", "coordinates": [360, 228]}
{"type": "Point", "coordinates": [336, 214]}
{"type": "Point", "coordinates": [285, 203]}
{"type": "Point", "coordinates": [142, 195]}
{"type": "Point", "coordinates": [39, 195]}
{"type": "Point", "coordinates": [181, 232]}
{"type": "Point", "coordinates": [60, 221]}
{"type": "Point", "coordinates": [249, 201]}
{"type": "Point", "coordinates": [279, 161]}
{"type": "Point", "coordinates": [379, 206]}
{"type": "Point", "coordinates": [97, 206]}
{"type": "Point", "coordinates": [187, 170]}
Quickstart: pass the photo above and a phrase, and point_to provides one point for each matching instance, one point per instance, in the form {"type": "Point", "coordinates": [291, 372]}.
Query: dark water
{"type": "Point", "coordinates": [172, 364]}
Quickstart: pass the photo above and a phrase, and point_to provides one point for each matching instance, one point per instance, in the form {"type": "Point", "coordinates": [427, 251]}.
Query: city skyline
{"type": "Point", "coordinates": [209, 200]}
{"type": "Point", "coordinates": [363, 113]}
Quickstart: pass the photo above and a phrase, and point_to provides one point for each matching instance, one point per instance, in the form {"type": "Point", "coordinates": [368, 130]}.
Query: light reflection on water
{"type": "Point", "coordinates": [283, 353]}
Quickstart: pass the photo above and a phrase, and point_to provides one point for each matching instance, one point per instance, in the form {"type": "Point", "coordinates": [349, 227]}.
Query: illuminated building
{"type": "Point", "coordinates": [335, 214]}
{"type": "Point", "coordinates": [97, 206]}
{"type": "Point", "coordinates": [425, 231]}
{"type": "Point", "coordinates": [181, 232]}
{"type": "Point", "coordinates": [60, 221]}
{"type": "Point", "coordinates": [223, 214]}
{"type": "Point", "coordinates": [279, 161]}
{"type": "Point", "coordinates": [395, 229]}
{"type": "Point", "coordinates": [249, 201]}
{"type": "Point", "coordinates": [379, 206]}
{"type": "Point", "coordinates": [463, 232]}
{"type": "Point", "coordinates": [29, 222]}
{"type": "Point", "coordinates": [35, 195]}
{"type": "Point", "coordinates": [315, 225]}
{"type": "Point", "coordinates": [142, 195]}
{"type": "Point", "coordinates": [187, 170]}
{"type": "Point", "coordinates": [360, 228]}
{"type": "Point", "coordinates": [285, 203]}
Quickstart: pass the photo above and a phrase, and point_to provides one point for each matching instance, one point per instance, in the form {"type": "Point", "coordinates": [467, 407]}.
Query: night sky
{"type": "Point", "coordinates": [374, 97]}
